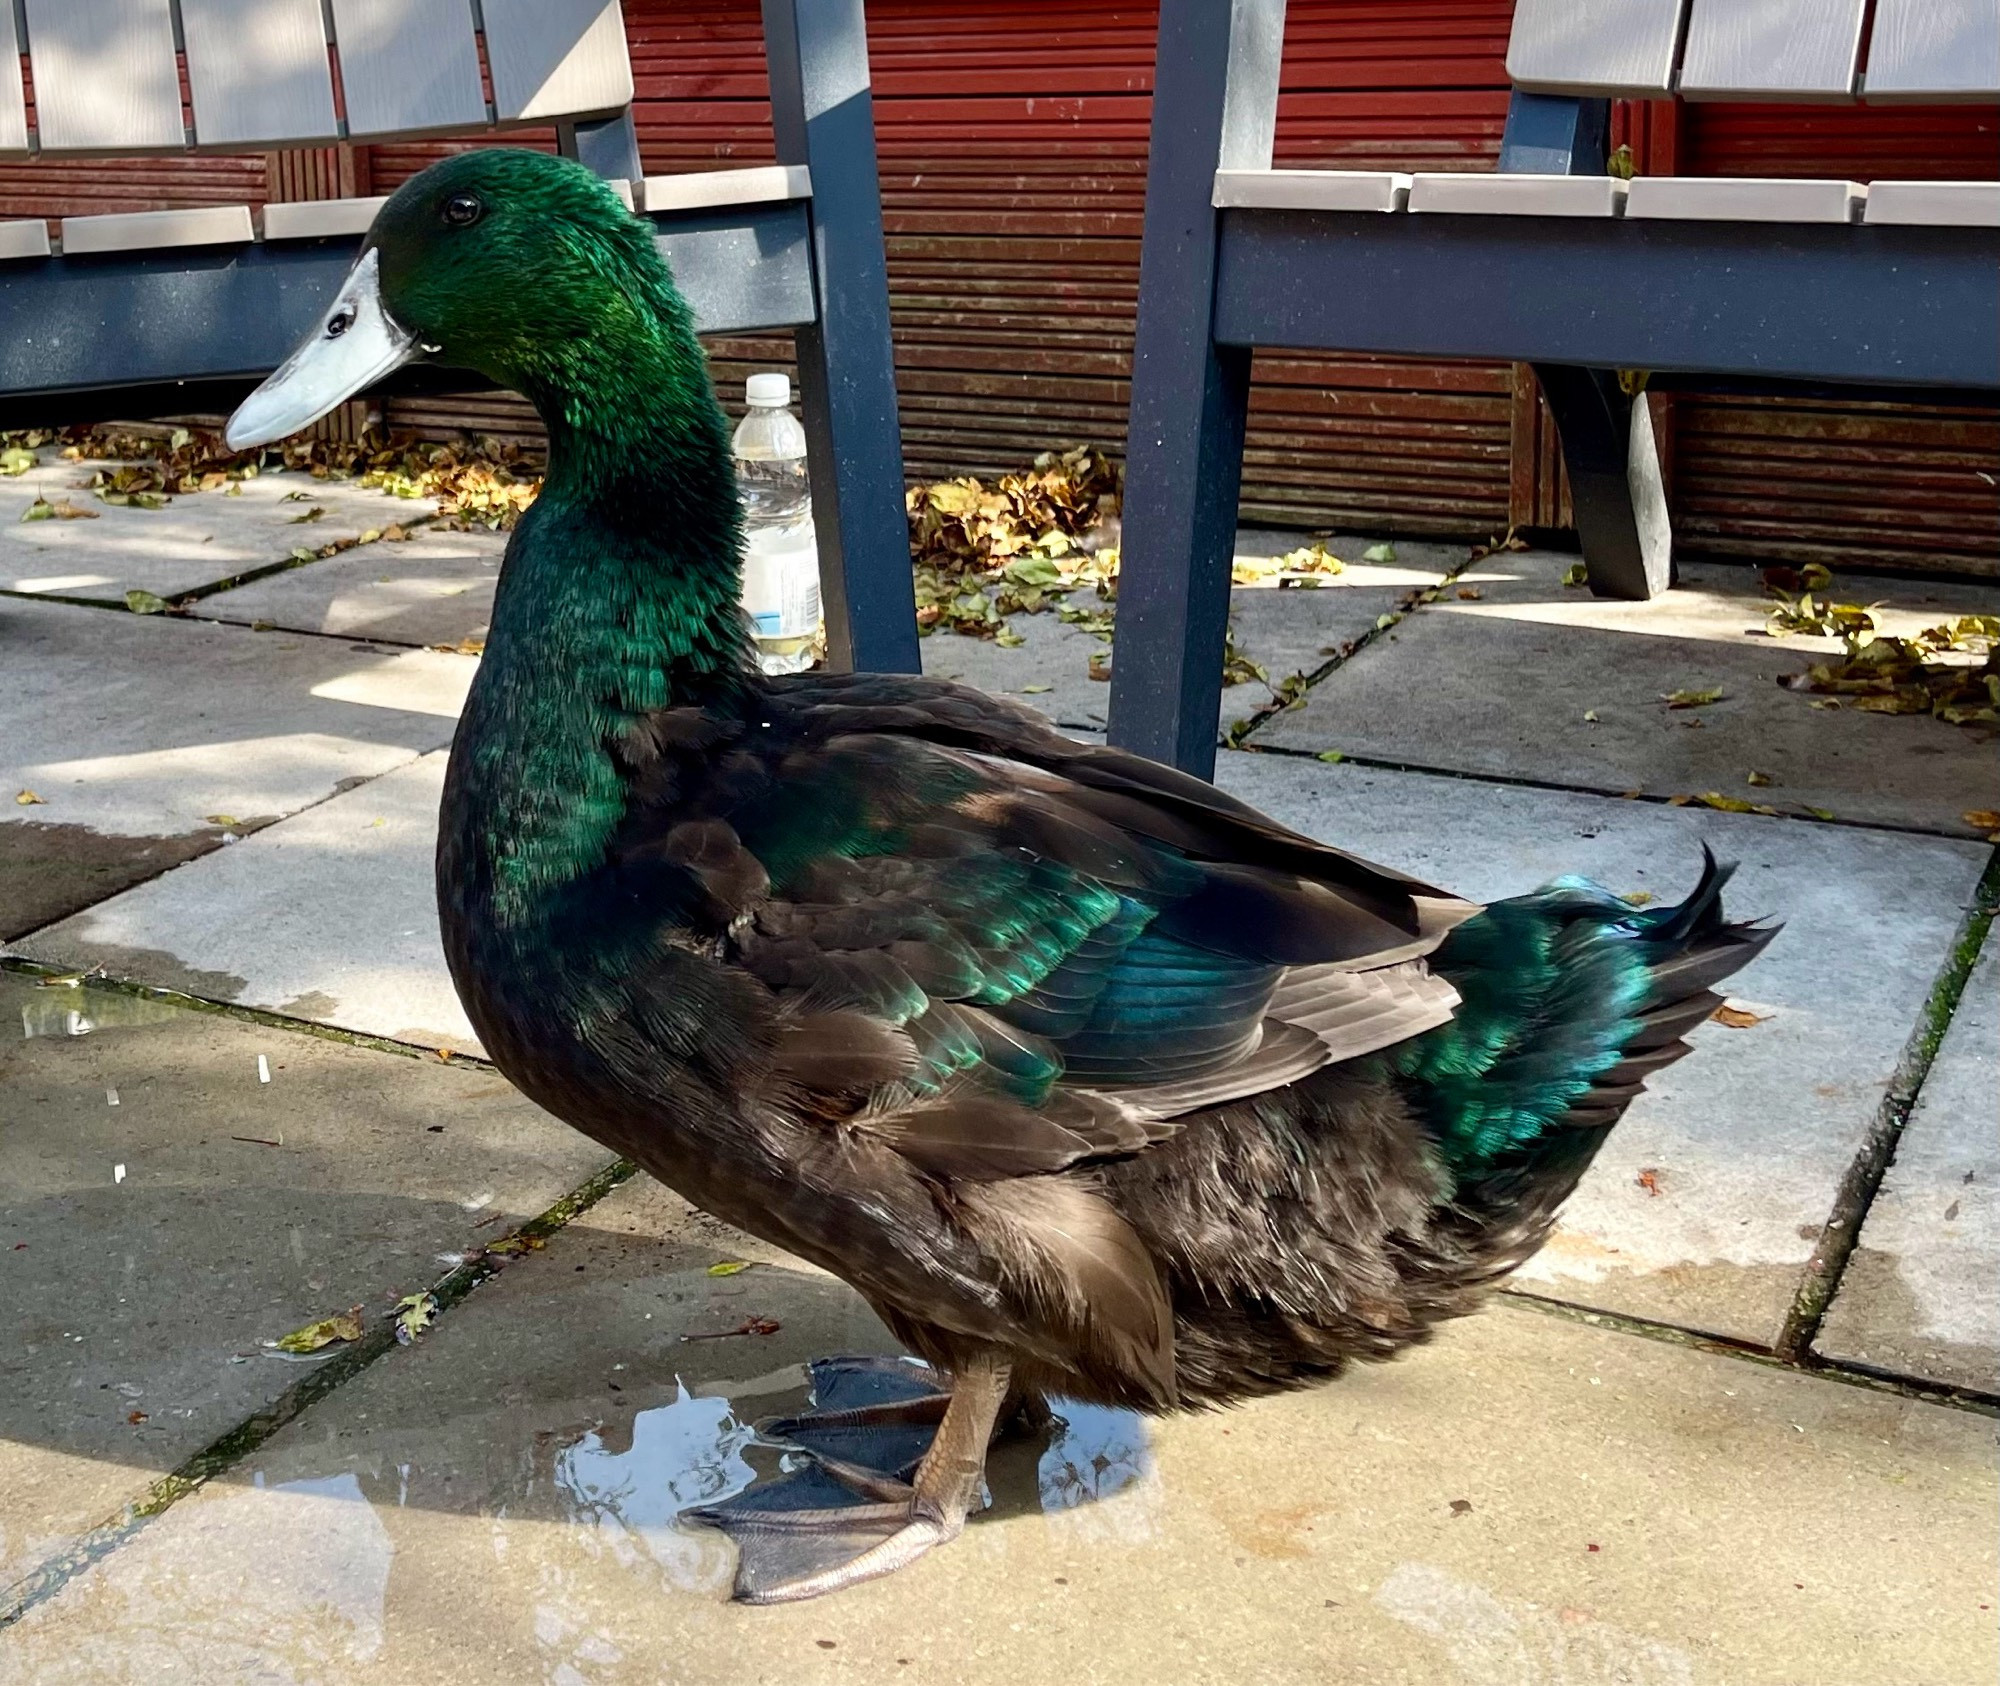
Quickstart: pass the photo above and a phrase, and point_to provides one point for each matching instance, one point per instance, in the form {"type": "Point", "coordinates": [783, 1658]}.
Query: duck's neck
{"type": "Point", "coordinates": [619, 595]}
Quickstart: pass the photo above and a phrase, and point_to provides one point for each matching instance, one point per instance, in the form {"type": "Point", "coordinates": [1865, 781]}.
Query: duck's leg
{"type": "Point", "coordinates": [807, 1534]}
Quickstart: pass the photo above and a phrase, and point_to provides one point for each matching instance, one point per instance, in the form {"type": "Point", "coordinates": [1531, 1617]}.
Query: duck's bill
{"type": "Point", "coordinates": [355, 344]}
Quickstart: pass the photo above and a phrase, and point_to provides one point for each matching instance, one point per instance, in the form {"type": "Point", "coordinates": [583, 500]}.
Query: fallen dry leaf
{"type": "Point", "coordinates": [414, 1314]}
{"type": "Point", "coordinates": [28, 799]}
{"type": "Point", "coordinates": [1470, 593]}
{"type": "Point", "coordinates": [1692, 699]}
{"type": "Point", "coordinates": [341, 1326]}
{"type": "Point", "coordinates": [1737, 1018]}
{"type": "Point", "coordinates": [1649, 1179]}
{"type": "Point", "coordinates": [1982, 819]}
{"type": "Point", "coordinates": [749, 1326]}
{"type": "Point", "coordinates": [1759, 779]}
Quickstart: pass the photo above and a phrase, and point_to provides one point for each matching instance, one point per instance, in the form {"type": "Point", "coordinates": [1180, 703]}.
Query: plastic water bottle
{"type": "Point", "coordinates": [780, 550]}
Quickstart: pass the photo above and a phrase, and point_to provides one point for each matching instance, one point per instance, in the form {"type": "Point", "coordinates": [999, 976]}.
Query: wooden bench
{"type": "Point", "coordinates": [1891, 289]}
{"type": "Point", "coordinates": [187, 310]}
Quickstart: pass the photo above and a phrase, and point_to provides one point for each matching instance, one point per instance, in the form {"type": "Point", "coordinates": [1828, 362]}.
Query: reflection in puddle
{"type": "Point", "coordinates": [70, 1011]}
{"type": "Point", "coordinates": [1097, 1453]}
{"type": "Point", "coordinates": [680, 1455]}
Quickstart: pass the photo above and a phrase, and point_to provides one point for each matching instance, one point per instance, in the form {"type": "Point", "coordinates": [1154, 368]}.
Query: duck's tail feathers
{"type": "Point", "coordinates": [1573, 998]}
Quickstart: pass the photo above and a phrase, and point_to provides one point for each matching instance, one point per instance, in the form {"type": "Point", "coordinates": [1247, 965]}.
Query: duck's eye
{"type": "Point", "coordinates": [462, 210]}
{"type": "Point", "coordinates": [339, 322]}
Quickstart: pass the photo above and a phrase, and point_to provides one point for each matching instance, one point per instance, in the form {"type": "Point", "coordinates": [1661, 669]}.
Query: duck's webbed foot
{"type": "Point", "coordinates": [868, 1504]}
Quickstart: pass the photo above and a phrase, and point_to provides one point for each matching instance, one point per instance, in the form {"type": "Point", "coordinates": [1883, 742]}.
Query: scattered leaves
{"type": "Point", "coordinates": [28, 799]}
{"type": "Point", "coordinates": [342, 1326]}
{"type": "Point", "coordinates": [314, 514]}
{"type": "Point", "coordinates": [61, 510]}
{"type": "Point", "coordinates": [1950, 671]}
{"type": "Point", "coordinates": [1737, 1018]}
{"type": "Point", "coordinates": [729, 1267]}
{"type": "Point", "coordinates": [512, 1246]}
{"type": "Point", "coordinates": [1728, 804]}
{"type": "Point", "coordinates": [414, 1314]}
{"type": "Point", "coordinates": [16, 460]}
{"type": "Point", "coordinates": [1802, 609]}
{"type": "Point", "coordinates": [1100, 666]}
{"type": "Point", "coordinates": [1692, 699]}
{"type": "Point", "coordinates": [1982, 819]}
{"type": "Point", "coordinates": [983, 552]}
{"type": "Point", "coordinates": [1305, 566]}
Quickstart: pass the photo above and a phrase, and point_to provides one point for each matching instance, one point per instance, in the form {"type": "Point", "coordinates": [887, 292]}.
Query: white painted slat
{"type": "Point", "coordinates": [105, 76]}
{"type": "Point", "coordinates": [1595, 46]}
{"type": "Point", "coordinates": [556, 58]}
{"type": "Point", "coordinates": [1312, 190]}
{"type": "Point", "coordinates": [702, 189]}
{"type": "Point", "coordinates": [25, 239]}
{"type": "Point", "coordinates": [408, 66]}
{"type": "Point", "coordinates": [140, 231]}
{"type": "Point", "coordinates": [319, 219]}
{"type": "Point", "coordinates": [1773, 49]}
{"type": "Point", "coordinates": [1470, 193]}
{"type": "Point", "coordinates": [13, 105]}
{"type": "Point", "coordinates": [1744, 199]}
{"type": "Point", "coordinates": [1935, 204]}
{"type": "Point", "coordinates": [258, 73]}
{"type": "Point", "coordinates": [1938, 50]}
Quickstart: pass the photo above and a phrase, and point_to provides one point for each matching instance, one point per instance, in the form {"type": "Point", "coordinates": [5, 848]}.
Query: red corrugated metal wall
{"type": "Point", "coordinates": [1896, 486]}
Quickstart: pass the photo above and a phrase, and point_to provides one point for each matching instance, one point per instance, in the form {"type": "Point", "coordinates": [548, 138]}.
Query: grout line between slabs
{"type": "Point", "coordinates": [1863, 1180]}
{"type": "Point", "coordinates": [223, 1453]}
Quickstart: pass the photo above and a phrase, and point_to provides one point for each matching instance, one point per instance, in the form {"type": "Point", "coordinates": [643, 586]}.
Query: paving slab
{"type": "Point", "coordinates": [135, 730]}
{"type": "Point", "coordinates": [1921, 1295]}
{"type": "Point", "coordinates": [1285, 631]}
{"type": "Point", "coordinates": [149, 1247]}
{"type": "Point", "coordinates": [1705, 1203]}
{"type": "Point", "coordinates": [329, 916]}
{"type": "Point", "coordinates": [1502, 685]}
{"type": "Point", "coordinates": [434, 588]}
{"type": "Point", "coordinates": [195, 539]}
{"type": "Point", "coordinates": [1528, 1501]}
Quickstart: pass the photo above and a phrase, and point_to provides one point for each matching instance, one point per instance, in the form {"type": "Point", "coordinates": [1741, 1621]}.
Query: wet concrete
{"type": "Point", "coordinates": [196, 539]}
{"type": "Point", "coordinates": [437, 588]}
{"type": "Point", "coordinates": [1527, 1501]}
{"type": "Point", "coordinates": [1502, 685]}
{"type": "Point", "coordinates": [138, 729]}
{"type": "Point", "coordinates": [330, 916]}
{"type": "Point", "coordinates": [178, 1188]}
{"type": "Point", "coordinates": [1704, 1205]}
{"type": "Point", "coordinates": [1922, 1293]}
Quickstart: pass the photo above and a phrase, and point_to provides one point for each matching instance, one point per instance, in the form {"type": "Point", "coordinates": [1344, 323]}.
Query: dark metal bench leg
{"type": "Point", "coordinates": [609, 146]}
{"type": "Point", "coordinates": [824, 119]}
{"type": "Point", "coordinates": [1214, 105]}
{"type": "Point", "coordinates": [1616, 491]}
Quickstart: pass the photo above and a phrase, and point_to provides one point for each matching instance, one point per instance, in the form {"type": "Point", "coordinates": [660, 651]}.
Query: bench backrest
{"type": "Point", "coordinates": [260, 73]}
{"type": "Point", "coordinates": [1921, 51]}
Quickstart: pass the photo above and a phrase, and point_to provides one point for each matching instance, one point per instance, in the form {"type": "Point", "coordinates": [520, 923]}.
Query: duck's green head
{"type": "Point", "coordinates": [522, 266]}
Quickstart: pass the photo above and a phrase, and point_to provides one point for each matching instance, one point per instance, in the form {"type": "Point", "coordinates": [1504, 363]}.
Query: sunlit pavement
{"type": "Point", "coordinates": [237, 806]}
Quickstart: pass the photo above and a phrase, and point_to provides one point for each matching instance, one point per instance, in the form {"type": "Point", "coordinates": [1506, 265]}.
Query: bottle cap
{"type": "Point", "coordinates": [768, 390]}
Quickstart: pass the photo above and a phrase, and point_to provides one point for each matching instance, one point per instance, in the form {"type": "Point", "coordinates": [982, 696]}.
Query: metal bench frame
{"type": "Point", "coordinates": [1893, 309]}
{"type": "Point", "coordinates": [185, 328]}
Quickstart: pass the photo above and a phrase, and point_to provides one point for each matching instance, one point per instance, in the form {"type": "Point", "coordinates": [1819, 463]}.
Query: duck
{"type": "Point", "coordinates": [1094, 1082]}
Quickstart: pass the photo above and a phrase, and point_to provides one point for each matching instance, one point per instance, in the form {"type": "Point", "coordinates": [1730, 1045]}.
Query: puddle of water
{"type": "Point", "coordinates": [67, 1010]}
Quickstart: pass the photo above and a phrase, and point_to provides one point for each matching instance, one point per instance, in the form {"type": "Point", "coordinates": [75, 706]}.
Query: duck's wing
{"type": "Point", "coordinates": [1003, 952]}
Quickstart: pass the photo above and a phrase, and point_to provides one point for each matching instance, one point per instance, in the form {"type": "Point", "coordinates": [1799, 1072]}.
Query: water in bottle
{"type": "Point", "coordinates": [780, 550]}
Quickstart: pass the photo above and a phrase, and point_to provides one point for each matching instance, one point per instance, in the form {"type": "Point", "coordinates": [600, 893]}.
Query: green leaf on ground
{"type": "Point", "coordinates": [342, 1326]}
{"type": "Point", "coordinates": [145, 602]}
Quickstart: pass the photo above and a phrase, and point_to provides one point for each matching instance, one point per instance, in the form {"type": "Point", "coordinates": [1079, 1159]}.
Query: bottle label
{"type": "Point", "coordinates": [781, 582]}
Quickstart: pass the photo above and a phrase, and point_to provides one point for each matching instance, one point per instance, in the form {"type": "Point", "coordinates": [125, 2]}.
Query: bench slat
{"type": "Point", "coordinates": [705, 189]}
{"type": "Point", "coordinates": [556, 58]}
{"type": "Point", "coordinates": [320, 219]}
{"type": "Point", "coordinates": [1312, 190]}
{"type": "Point", "coordinates": [105, 75]}
{"type": "Point", "coordinates": [408, 66]}
{"type": "Point", "coordinates": [1935, 204]}
{"type": "Point", "coordinates": [141, 231]}
{"type": "Point", "coordinates": [28, 238]}
{"type": "Point", "coordinates": [1477, 193]}
{"type": "Point", "coordinates": [1773, 49]}
{"type": "Point", "coordinates": [1595, 46]}
{"type": "Point", "coordinates": [1934, 50]}
{"type": "Point", "coordinates": [13, 105]}
{"type": "Point", "coordinates": [1744, 199]}
{"type": "Point", "coordinates": [258, 73]}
